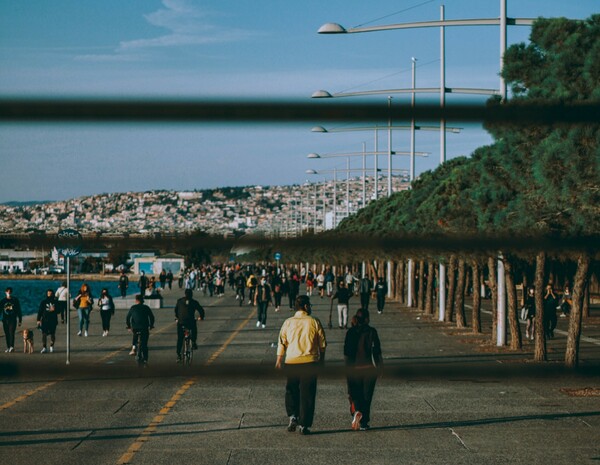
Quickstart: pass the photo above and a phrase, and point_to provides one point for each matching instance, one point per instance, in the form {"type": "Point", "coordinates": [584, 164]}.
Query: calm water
{"type": "Point", "coordinates": [31, 292]}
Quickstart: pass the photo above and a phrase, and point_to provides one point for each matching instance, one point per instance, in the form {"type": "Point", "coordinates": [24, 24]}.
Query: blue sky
{"type": "Point", "coordinates": [242, 49]}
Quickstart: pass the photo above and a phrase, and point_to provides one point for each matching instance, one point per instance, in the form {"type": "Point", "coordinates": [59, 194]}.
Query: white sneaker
{"type": "Point", "coordinates": [11, 349]}
{"type": "Point", "coordinates": [85, 334]}
{"type": "Point", "coordinates": [264, 326]}
{"type": "Point", "coordinates": [237, 297]}
{"type": "Point", "coordinates": [43, 351]}
{"type": "Point", "coordinates": [79, 333]}
{"type": "Point", "coordinates": [132, 352]}
{"type": "Point", "coordinates": [7, 350]}
{"type": "Point", "coordinates": [104, 333]}
{"type": "Point", "coordinates": [258, 324]}
{"type": "Point", "coordinates": [51, 349]}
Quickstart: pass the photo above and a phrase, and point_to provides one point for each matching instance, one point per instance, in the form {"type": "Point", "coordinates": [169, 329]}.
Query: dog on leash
{"type": "Point", "coordinates": [27, 341]}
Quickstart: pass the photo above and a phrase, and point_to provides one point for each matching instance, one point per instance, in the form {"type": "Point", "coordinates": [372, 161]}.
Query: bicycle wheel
{"type": "Point", "coordinates": [189, 351]}
{"type": "Point", "coordinates": [139, 356]}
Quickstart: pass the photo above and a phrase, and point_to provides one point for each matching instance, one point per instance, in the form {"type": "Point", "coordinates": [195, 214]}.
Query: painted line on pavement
{"type": "Point", "coordinates": [128, 456]}
{"type": "Point", "coordinates": [27, 395]}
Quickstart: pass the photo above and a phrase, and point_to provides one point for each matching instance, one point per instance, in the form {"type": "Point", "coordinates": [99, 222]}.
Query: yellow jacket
{"type": "Point", "coordinates": [301, 339]}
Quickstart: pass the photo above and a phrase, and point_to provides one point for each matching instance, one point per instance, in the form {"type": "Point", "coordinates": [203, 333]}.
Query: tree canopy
{"type": "Point", "coordinates": [533, 181]}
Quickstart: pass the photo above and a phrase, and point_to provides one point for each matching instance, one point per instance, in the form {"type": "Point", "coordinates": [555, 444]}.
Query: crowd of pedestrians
{"type": "Point", "coordinates": [302, 341]}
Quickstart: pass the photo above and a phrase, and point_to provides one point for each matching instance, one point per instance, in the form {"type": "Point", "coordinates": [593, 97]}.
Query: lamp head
{"type": "Point", "coordinates": [332, 28]}
{"type": "Point", "coordinates": [311, 172]}
{"type": "Point", "coordinates": [318, 129]}
{"type": "Point", "coordinates": [321, 94]}
{"type": "Point", "coordinates": [313, 155]}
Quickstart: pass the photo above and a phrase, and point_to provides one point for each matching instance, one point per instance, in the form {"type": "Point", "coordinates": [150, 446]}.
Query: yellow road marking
{"type": "Point", "coordinates": [22, 397]}
{"type": "Point", "coordinates": [128, 456]}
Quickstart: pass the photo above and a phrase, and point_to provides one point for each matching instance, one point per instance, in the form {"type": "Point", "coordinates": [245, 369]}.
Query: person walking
{"type": "Point", "coordinates": [302, 343]}
{"type": "Point", "coordinates": [529, 305]}
{"type": "Point", "coordinates": [381, 290]}
{"type": "Point", "coordinates": [83, 303]}
{"type": "Point", "coordinates": [550, 303]}
{"type": "Point", "coordinates": [343, 295]}
{"type": "Point", "coordinates": [294, 288]}
{"type": "Point", "coordinates": [362, 355]}
{"type": "Point", "coordinates": [107, 310]}
{"type": "Point", "coordinates": [47, 320]}
{"type": "Point", "coordinates": [140, 319]}
{"type": "Point", "coordinates": [62, 294]}
{"type": "Point", "coordinates": [143, 283]}
{"type": "Point", "coordinates": [262, 299]}
{"type": "Point", "coordinates": [240, 285]}
{"type": "Point", "coordinates": [185, 315]}
{"type": "Point", "coordinates": [10, 308]}
{"type": "Point", "coordinates": [365, 288]}
{"type": "Point", "coordinates": [162, 279]}
{"type": "Point", "coordinates": [123, 284]}
{"type": "Point", "coordinates": [170, 279]}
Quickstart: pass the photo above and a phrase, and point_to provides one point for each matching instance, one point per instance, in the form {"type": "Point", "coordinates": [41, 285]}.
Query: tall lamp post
{"type": "Point", "coordinates": [503, 21]}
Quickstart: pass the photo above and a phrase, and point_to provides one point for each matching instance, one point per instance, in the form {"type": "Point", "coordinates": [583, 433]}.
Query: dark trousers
{"type": "Point", "coordinates": [277, 296]}
{"type": "Point", "coordinates": [380, 302]}
{"type": "Point", "coordinates": [364, 300]}
{"type": "Point", "coordinates": [550, 322]}
{"type": "Point", "coordinates": [143, 346]}
{"type": "Point", "coordinates": [301, 391]}
{"type": "Point", "coordinates": [262, 312]}
{"type": "Point", "coordinates": [192, 326]}
{"type": "Point", "coordinates": [10, 326]}
{"type": "Point", "coordinates": [240, 293]}
{"type": "Point", "coordinates": [292, 296]}
{"type": "Point", "coordinates": [61, 307]}
{"type": "Point", "coordinates": [361, 387]}
{"type": "Point", "coordinates": [51, 331]}
{"type": "Point", "coordinates": [106, 315]}
{"type": "Point", "coordinates": [123, 291]}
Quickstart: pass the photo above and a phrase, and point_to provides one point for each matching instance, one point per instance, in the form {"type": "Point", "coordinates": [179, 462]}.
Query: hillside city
{"type": "Point", "coordinates": [273, 210]}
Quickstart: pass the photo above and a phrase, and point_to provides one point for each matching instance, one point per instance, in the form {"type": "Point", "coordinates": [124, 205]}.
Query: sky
{"type": "Point", "coordinates": [260, 49]}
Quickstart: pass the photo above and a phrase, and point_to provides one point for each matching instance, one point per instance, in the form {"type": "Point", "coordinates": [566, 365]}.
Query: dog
{"type": "Point", "coordinates": [27, 341]}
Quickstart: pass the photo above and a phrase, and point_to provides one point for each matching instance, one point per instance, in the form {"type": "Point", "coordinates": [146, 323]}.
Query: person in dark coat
{"type": "Point", "coordinates": [185, 314]}
{"type": "Point", "coordinates": [10, 310]}
{"type": "Point", "coordinates": [140, 319]}
{"type": "Point", "coordinates": [47, 320]}
{"type": "Point", "coordinates": [362, 354]}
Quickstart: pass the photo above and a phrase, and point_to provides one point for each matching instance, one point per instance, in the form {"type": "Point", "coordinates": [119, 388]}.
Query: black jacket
{"type": "Point", "coordinates": [140, 317]}
{"type": "Point", "coordinates": [11, 309]}
{"type": "Point", "coordinates": [362, 347]}
{"type": "Point", "coordinates": [47, 314]}
{"type": "Point", "coordinates": [185, 310]}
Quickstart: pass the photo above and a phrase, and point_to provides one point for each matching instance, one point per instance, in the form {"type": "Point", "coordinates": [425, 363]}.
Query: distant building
{"type": "Point", "coordinates": [154, 265]}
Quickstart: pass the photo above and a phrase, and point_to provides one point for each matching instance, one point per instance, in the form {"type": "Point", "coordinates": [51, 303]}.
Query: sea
{"type": "Point", "coordinates": [31, 292]}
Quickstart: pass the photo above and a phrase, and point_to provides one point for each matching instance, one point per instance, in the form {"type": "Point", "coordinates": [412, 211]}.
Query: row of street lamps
{"type": "Point", "coordinates": [503, 21]}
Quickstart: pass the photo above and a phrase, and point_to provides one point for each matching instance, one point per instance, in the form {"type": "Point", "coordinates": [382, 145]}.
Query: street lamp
{"type": "Point", "coordinates": [503, 21]}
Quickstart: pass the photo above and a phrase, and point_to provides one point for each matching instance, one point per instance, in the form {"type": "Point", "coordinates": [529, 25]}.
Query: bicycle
{"type": "Point", "coordinates": [139, 357]}
{"type": "Point", "coordinates": [188, 346]}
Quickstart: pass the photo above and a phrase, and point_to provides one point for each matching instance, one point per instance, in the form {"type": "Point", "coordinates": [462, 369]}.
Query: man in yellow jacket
{"type": "Point", "coordinates": [302, 342]}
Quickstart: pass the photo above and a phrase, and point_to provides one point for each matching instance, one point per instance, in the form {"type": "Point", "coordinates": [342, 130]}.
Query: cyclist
{"type": "Point", "coordinates": [140, 319]}
{"type": "Point", "coordinates": [185, 314]}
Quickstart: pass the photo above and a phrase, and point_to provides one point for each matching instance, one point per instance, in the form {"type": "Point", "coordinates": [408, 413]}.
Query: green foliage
{"type": "Point", "coordinates": [534, 181]}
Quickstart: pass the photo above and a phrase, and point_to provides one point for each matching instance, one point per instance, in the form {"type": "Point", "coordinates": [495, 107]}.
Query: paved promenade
{"type": "Point", "coordinates": [447, 397]}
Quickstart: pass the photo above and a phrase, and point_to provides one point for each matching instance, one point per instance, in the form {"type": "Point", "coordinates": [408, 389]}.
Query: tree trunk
{"type": "Point", "coordinates": [476, 312]}
{"type": "Point", "coordinates": [392, 281]}
{"type": "Point", "coordinates": [540, 354]}
{"type": "Point", "coordinates": [511, 293]}
{"type": "Point", "coordinates": [411, 276]}
{"type": "Point", "coordinates": [451, 287]}
{"type": "Point", "coordinates": [401, 287]}
{"type": "Point", "coordinates": [461, 320]}
{"type": "Point", "coordinates": [429, 292]}
{"type": "Point", "coordinates": [579, 285]}
{"type": "Point", "coordinates": [585, 310]}
{"type": "Point", "coordinates": [494, 289]}
{"type": "Point", "coordinates": [421, 293]}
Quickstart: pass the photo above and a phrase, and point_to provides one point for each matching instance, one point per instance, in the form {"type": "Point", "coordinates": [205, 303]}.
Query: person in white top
{"type": "Point", "coordinates": [62, 298]}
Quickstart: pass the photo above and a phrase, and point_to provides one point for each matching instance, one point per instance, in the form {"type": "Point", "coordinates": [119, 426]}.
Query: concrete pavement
{"type": "Point", "coordinates": [446, 397]}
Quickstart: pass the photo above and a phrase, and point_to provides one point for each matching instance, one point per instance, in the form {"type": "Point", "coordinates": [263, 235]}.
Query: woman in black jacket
{"type": "Point", "coordinates": [47, 320]}
{"type": "Point", "coordinates": [362, 354]}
